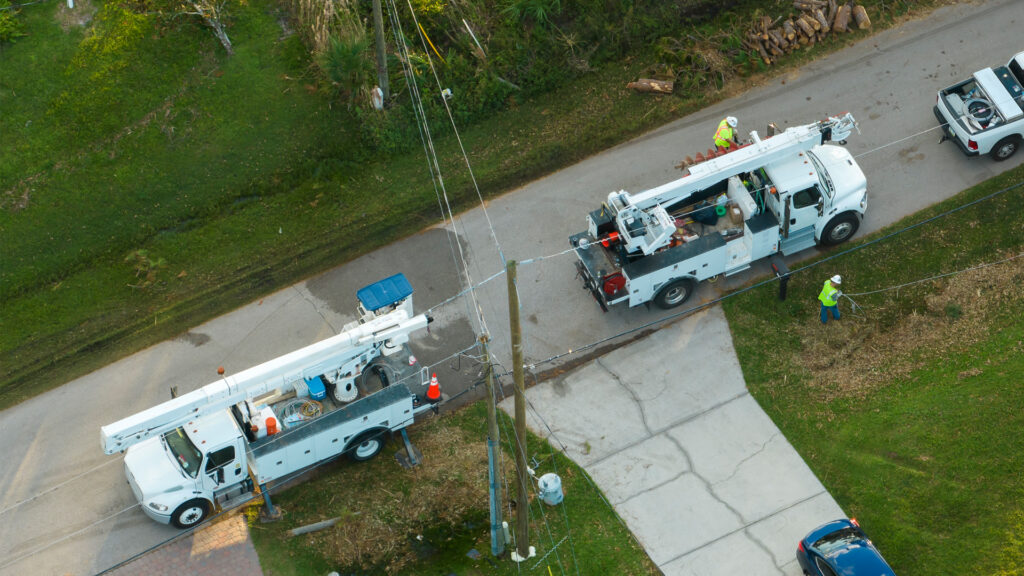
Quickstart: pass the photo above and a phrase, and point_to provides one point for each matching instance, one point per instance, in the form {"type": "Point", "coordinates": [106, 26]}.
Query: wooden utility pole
{"type": "Point", "coordinates": [493, 454]}
{"type": "Point", "coordinates": [382, 58]}
{"type": "Point", "coordinates": [522, 476]}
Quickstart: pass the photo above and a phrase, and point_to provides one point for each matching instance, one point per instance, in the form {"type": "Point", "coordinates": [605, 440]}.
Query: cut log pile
{"type": "Point", "coordinates": [816, 20]}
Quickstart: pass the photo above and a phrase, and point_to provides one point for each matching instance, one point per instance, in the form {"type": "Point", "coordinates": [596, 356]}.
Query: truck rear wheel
{"type": "Point", "coordinates": [366, 446]}
{"type": "Point", "coordinates": [1005, 148]}
{"type": "Point", "coordinates": [190, 513]}
{"type": "Point", "coordinates": [674, 293]}
{"type": "Point", "coordinates": [840, 229]}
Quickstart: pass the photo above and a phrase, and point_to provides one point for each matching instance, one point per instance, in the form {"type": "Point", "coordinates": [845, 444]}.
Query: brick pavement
{"type": "Point", "coordinates": [220, 549]}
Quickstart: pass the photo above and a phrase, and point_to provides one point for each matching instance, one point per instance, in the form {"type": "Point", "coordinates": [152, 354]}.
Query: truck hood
{"type": "Point", "coordinates": [153, 471]}
{"type": "Point", "coordinates": [847, 177]}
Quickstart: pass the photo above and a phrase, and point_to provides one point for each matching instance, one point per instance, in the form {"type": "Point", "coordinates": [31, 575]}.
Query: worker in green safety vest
{"type": "Point", "coordinates": [725, 136]}
{"type": "Point", "coordinates": [829, 298]}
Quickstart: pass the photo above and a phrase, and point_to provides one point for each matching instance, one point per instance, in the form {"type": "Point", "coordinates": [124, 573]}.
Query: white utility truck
{"type": "Point", "coordinates": [784, 193]}
{"type": "Point", "coordinates": [985, 113]}
{"type": "Point", "coordinates": [216, 446]}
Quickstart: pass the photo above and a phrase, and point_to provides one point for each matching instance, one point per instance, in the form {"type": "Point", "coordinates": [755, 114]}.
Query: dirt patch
{"type": "Point", "coordinates": [76, 17]}
{"type": "Point", "coordinates": [858, 354]}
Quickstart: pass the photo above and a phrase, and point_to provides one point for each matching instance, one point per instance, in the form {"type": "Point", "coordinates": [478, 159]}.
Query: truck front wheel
{"type": "Point", "coordinates": [1005, 148]}
{"type": "Point", "coordinates": [366, 446]}
{"type": "Point", "coordinates": [674, 293]}
{"type": "Point", "coordinates": [190, 513]}
{"type": "Point", "coordinates": [840, 229]}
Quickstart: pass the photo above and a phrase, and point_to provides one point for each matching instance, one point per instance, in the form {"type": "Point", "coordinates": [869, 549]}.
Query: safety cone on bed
{"type": "Point", "coordinates": [434, 391]}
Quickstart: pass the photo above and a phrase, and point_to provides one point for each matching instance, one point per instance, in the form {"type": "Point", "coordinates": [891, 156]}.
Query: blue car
{"type": "Point", "coordinates": [840, 548]}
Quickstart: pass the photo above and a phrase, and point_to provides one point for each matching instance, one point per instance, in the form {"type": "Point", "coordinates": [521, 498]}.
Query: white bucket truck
{"type": "Point", "coordinates": [216, 446]}
{"type": "Point", "coordinates": [784, 193]}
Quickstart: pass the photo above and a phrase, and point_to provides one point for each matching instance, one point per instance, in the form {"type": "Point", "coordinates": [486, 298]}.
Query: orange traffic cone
{"type": "Point", "coordinates": [434, 392]}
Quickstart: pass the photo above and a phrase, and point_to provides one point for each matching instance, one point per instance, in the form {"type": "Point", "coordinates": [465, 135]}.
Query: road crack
{"type": "Point", "coordinates": [636, 398]}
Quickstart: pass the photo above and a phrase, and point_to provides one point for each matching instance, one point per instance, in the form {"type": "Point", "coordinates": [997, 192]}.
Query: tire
{"type": "Point", "coordinates": [840, 229]}
{"type": "Point", "coordinates": [675, 293]}
{"type": "Point", "coordinates": [366, 446]}
{"type": "Point", "coordinates": [190, 513]}
{"type": "Point", "coordinates": [1004, 149]}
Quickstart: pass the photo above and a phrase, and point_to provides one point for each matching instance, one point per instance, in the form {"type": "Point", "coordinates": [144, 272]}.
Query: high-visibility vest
{"type": "Point", "coordinates": [723, 135]}
{"type": "Point", "coordinates": [827, 295]}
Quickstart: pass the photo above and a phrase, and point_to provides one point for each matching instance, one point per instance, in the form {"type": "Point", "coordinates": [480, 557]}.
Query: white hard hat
{"type": "Point", "coordinates": [837, 279]}
{"type": "Point", "coordinates": [732, 121]}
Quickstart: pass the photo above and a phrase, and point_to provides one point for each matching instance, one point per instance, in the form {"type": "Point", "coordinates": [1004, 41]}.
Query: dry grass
{"type": "Point", "coordinates": [852, 357]}
{"type": "Point", "coordinates": [379, 518]}
{"type": "Point", "coordinates": [75, 17]}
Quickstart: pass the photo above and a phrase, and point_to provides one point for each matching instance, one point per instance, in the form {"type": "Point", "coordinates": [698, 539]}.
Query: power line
{"type": "Point", "coordinates": [55, 487]}
{"type": "Point", "coordinates": [936, 277]}
{"type": "Point", "coordinates": [433, 165]}
{"type": "Point", "coordinates": [702, 306]}
{"type": "Point", "coordinates": [52, 543]}
{"type": "Point", "coordinates": [455, 130]}
{"type": "Point", "coordinates": [894, 142]}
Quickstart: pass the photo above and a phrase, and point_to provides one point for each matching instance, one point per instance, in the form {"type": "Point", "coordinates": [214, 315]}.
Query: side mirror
{"type": "Point", "coordinates": [821, 206]}
{"type": "Point", "coordinates": [218, 475]}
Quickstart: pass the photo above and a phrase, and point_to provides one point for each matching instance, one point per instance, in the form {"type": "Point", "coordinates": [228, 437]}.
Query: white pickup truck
{"type": "Point", "coordinates": [985, 113]}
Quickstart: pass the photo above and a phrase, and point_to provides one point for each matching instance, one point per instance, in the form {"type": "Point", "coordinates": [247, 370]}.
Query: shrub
{"type": "Point", "coordinates": [348, 64]}
{"type": "Point", "coordinates": [10, 25]}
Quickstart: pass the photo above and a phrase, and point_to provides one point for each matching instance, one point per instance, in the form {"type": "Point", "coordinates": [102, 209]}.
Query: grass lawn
{"type": "Point", "coordinates": [909, 410]}
{"type": "Point", "coordinates": [149, 182]}
{"type": "Point", "coordinates": [428, 520]}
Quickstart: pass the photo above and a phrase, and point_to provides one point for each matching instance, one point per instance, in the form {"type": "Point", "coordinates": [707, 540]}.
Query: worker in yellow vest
{"type": "Point", "coordinates": [725, 136]}
{"type": "Point", "coordinates": [829, 297]}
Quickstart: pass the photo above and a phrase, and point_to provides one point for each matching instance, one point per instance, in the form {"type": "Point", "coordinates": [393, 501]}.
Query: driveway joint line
{"type": "Point", "coordinates": [744, 528]}
{"type": "Point", "coordinates": [669, 426]}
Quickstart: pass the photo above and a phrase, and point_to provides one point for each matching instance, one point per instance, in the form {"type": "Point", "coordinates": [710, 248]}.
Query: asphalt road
{"type": "Point", "coordinates": [64, 505]}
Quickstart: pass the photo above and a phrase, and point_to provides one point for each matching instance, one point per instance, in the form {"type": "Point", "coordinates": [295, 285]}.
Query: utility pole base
{"type": "Point", "coordinates": [517, 558]}
{"type": "Point", "coordinates": [266, 516]}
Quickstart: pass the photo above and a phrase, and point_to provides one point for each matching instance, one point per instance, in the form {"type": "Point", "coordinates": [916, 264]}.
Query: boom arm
{"type": "Point", "coordinates": [313, 360]}
{"type": "Point", "coordinates": [759, 153]}
{"type": "Point", "coordinates": [642, 220]}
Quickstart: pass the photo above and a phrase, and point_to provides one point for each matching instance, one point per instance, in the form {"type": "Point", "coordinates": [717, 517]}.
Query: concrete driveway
{"type": "Point", "coordinates": [64, 506]}
{"type": "Point", "coordinates": [700, 474]}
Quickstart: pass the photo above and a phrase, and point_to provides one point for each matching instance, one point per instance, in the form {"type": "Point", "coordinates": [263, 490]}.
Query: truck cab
{"type": "Point", "coordinates": [177, 476]}
{"type": "Point", "coordinates": [985, 113]}
{"type": "Point", "coordinates": [822, 195]}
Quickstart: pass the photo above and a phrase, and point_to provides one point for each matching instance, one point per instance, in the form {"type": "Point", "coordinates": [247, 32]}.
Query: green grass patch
{"type": "Point", "coordinates": [132, 133]}
{"type": "Point", "coordinates": [426, 520]}
{"type": "Point", "coordinates": [906, 410]}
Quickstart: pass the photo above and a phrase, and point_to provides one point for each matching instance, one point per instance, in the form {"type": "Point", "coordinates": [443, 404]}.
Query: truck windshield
{"type": "Point", "coordinates": [1017, 71]}
{"type": "Point", "coordinates": [184, 451]}
{"type": "Point", "coordinates": [823, 177]}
